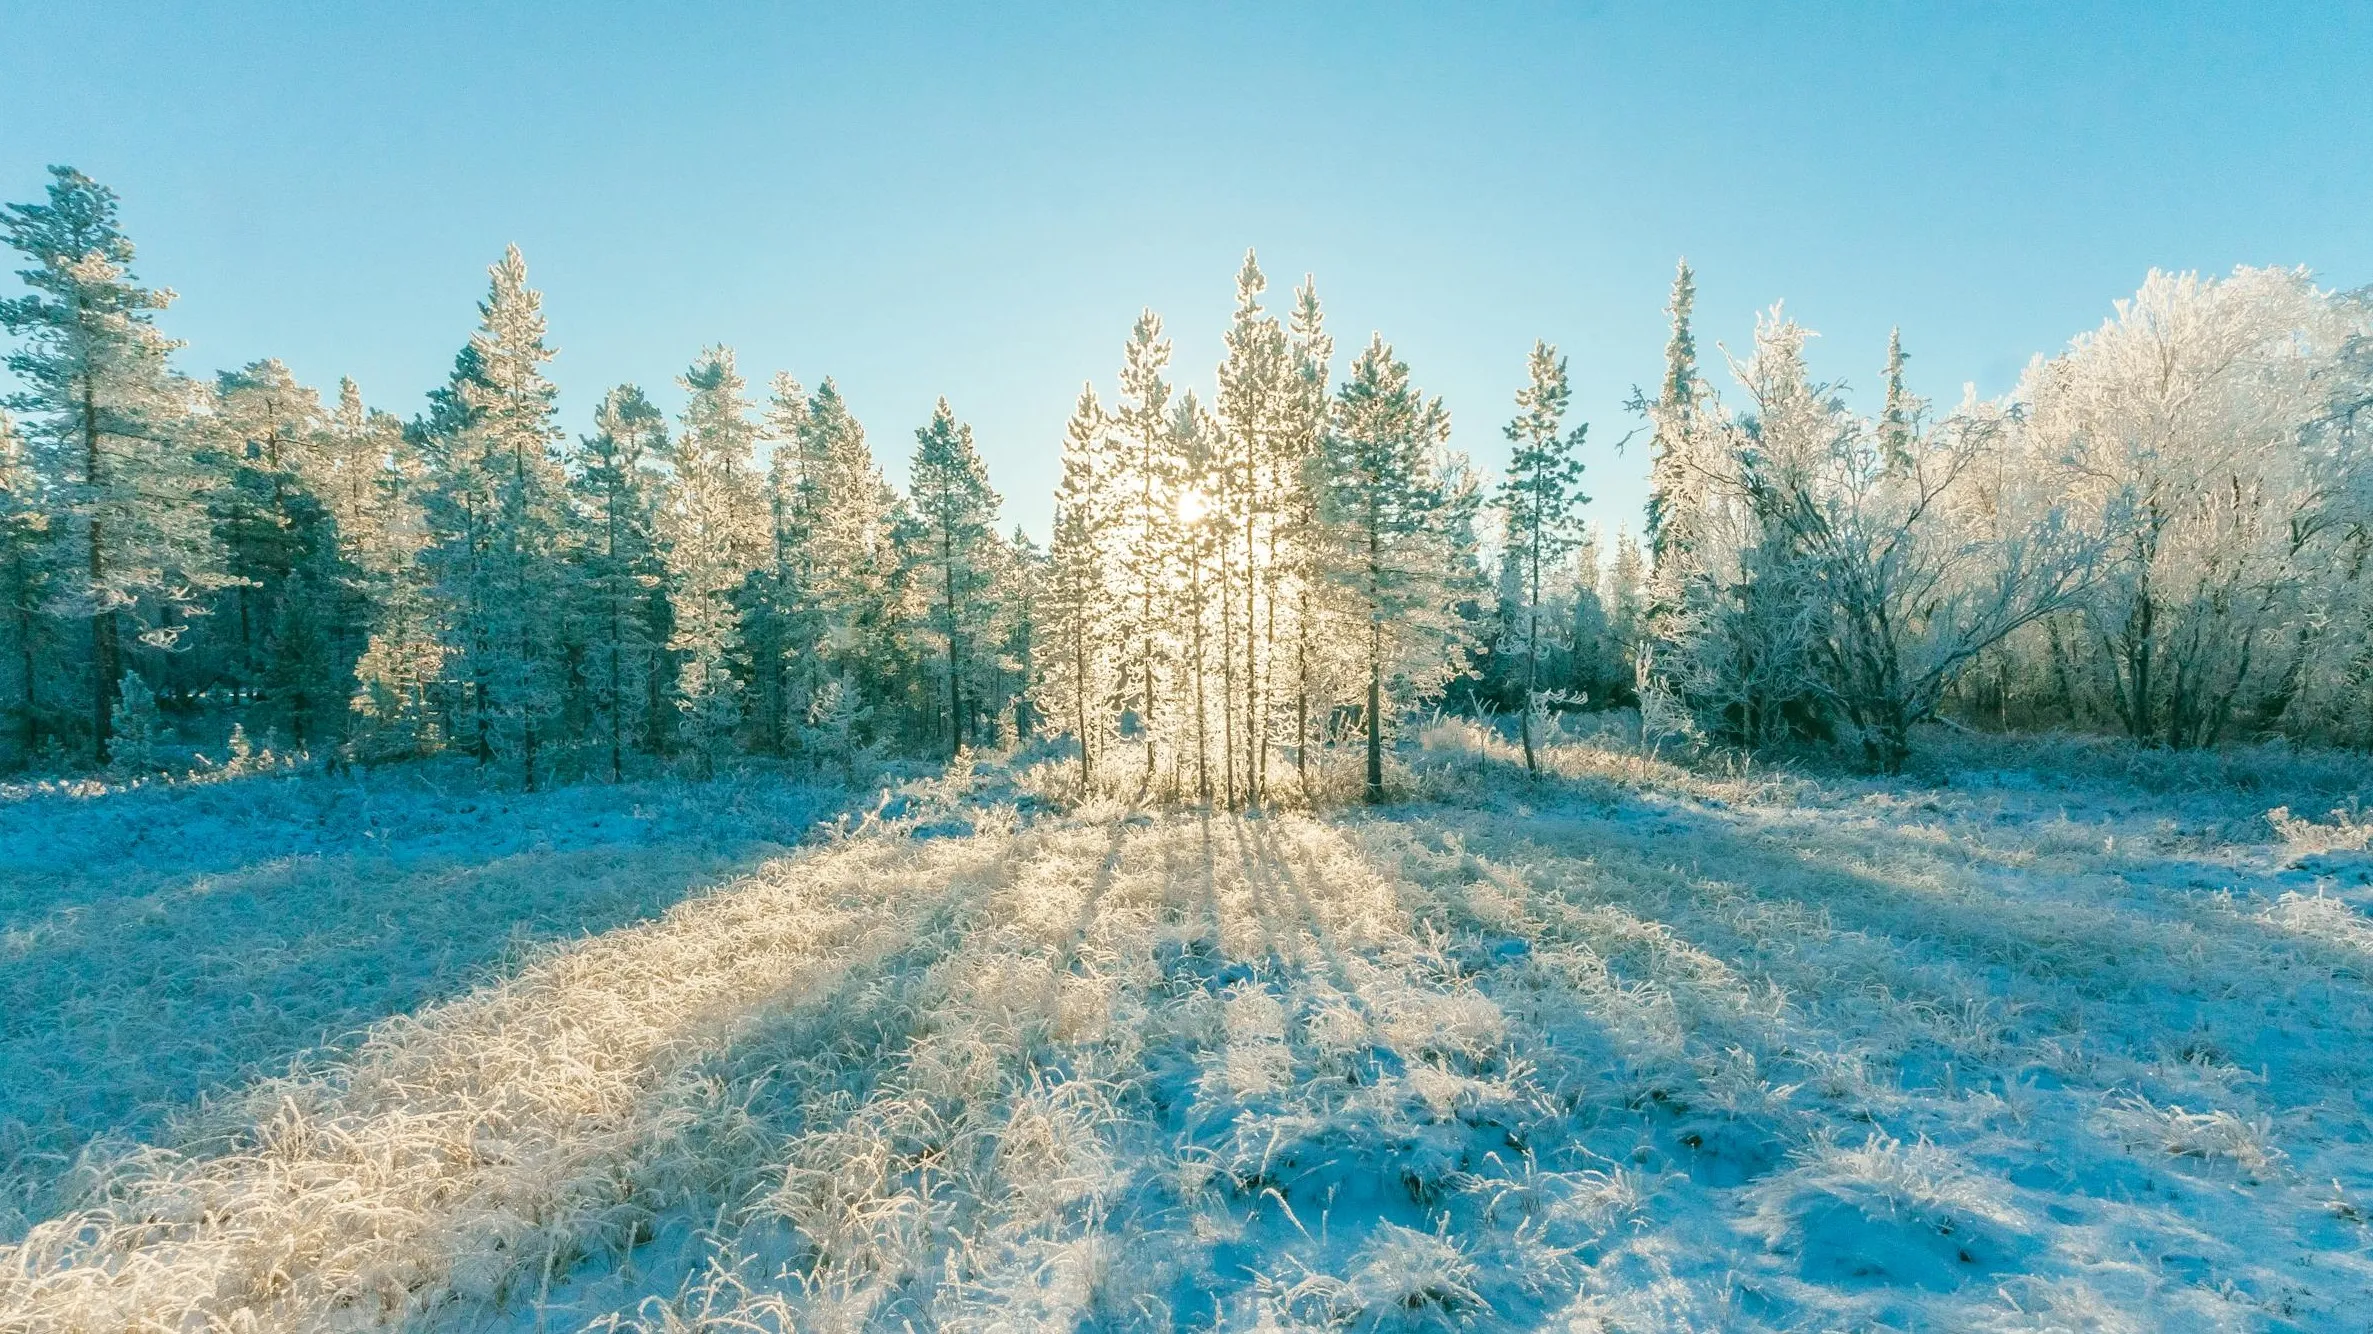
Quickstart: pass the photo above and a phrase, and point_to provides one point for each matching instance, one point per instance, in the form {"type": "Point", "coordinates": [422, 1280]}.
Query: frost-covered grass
{"type": "Point", "coordinates": [166, 942]}
{"type": "Point", "coordinates": [2064, 1047]}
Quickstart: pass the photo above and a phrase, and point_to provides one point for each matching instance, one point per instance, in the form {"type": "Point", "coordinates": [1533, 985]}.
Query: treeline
{"type": "Point", "coordinates": [740, 580]}
{"type": "Point", "coordinates": [2164, 532]}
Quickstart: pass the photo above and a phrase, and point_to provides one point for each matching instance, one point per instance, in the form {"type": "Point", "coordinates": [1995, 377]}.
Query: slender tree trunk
{"type": "Point", "coordinates": [1227, 666]}
{"type": "Point", "coordinates": [1202, 714]}
{"type": "Point", "coordinates": [1532, 651]}
{"type": "Point", "coordinates": [1079, 694]}
{"type": "Point", "coordinates": [947, 561]}
{"type": "Point", "coordinates": [1302, 696]}
{"type": "Point", "coordinates": [1375, 654]}
{"type": "Point", "coordinates": [30, 720]}
{"type": "Point", "coordinates": [103, 632]}
{"type": "Point", "coordinates": [1375, 709]}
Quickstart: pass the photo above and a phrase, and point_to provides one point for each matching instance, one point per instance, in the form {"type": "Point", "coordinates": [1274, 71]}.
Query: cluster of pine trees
{"type": "Point", "coordinates": [739, 580]}
{"type": "Point", "coordinates": [2167, 531]}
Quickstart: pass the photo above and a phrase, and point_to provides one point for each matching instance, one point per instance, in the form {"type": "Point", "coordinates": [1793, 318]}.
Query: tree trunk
{"type": "Point", "coordinates": [103, 640]}
{"type": "Point", "coordinates": [1375, 709]}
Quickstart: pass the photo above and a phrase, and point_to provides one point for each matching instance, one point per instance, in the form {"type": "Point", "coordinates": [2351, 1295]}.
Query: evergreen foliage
{"type": "Point", "coordinates": [2167, 531]}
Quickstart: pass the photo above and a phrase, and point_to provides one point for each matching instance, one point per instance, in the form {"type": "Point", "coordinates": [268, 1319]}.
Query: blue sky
{"type": "Point", "coordinates": [977, 201]}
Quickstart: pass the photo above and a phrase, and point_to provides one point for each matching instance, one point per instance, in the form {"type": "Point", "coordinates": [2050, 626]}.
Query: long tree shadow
{"type": "Point", "coordinates": [1942, 922]}
{"type": "Point", "coordinates": [164, 945]}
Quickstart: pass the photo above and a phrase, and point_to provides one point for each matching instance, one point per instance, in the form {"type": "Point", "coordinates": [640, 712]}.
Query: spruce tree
{"type": "Point", "coordinates": [1896, 417]}
{"type": "Point", "coordinates": [1672, 417]}
{"type": "Point", "coordinates": [1020, 596]}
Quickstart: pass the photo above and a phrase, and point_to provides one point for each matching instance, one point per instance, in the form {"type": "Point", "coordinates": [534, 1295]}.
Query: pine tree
{"type": "Point", "coordinates": [1258, 391]}
{"type": "Point", "coordinates": [262, 424]}
{"type": "Point", "coordinates": [498, 512]}
{"type": "Point", "coordinates": [780, 626]}
{"type": "Point", "coordinates": [1200, 540]}
{"type": "Point", "coordinates": [1383, 507]}
{"type": "Point", "coordinates": [382, 515]}
{"type": "Point", "coordinates": [714, 530]}
{"type": "Point", "coordinates": [949, 490]}
{"type": "Point", "coordinates": [618, 493]}
{"type": "Point", "coordinates": [1144, 523]}
{"type": "Point", "coordinates": [1020, 592]}
{"type": "Point", "coordinates": [1079, 684]}
{"type": "Point", "coordinates": [1670, 417]}
{"type": "Point", "coordinates": [1540, 505]}
{"type": "Point", "coordinates": [1298, 477]}
{"type": "Point", "coordinates": [1625, 598]}
{"type": "Point", "coordinates": [1675, 475]}
{"type": "Point", "coordinates": [849, 522]}
{"type": "Point", "coordinates": [105, 417]}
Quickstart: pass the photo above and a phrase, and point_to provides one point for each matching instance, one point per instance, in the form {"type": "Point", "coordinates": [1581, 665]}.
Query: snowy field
{"type": "Point", "coordinates": [2046, 1037]}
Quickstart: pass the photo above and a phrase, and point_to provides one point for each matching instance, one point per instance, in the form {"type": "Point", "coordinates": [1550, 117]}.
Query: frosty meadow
{"type": "Point", "coordinates": [471, 871]}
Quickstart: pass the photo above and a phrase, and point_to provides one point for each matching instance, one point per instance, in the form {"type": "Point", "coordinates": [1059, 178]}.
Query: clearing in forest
{"type": "Point", "coordinates": [1625, 1049]}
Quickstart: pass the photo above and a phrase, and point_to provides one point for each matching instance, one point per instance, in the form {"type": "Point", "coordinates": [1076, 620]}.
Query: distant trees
{"type": "Point", "coordinates": [2166, 531]}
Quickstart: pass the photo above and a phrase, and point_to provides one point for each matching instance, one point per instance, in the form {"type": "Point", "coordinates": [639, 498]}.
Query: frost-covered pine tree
{"type": "Point", "coordinates": [949, 491]}
{"type": "Point", "coordinates": [713, 529]}
{"type": "Point", "coordinates": [1199, 535]}
{"type": "Point", "coordinates": [1019, 596]}
{"type": "Point", "coordinates": [1080, 681]}
{"type": "Point", "coordinates": [780, 625]}
{"type": "Point", "coordinates": [1142, 533]}
{"type": "Point", "coordinates": [1298, 477]}
{"type": "Point", "coordinates": [1258, 395]}
{"type": "Point", "coordinates": [106, 421]}
{"type": "Point", "coordinates": [1383, 509]}
{"type": "Point", "coordinates": [1540, 503]}
{"type": "Point", "coordinates": [297, 613]}
{"type": "Point", "coordinates": [497, 512]}
{"type": "Point", "coordinates": [848, 549]}
{"type": "Point", "coordinates": [261, 427]}
{"type": "Point", "coordinates": [618, 493]}
{"type": "Point", "coordinates": [1739, 621]}
{"type": "Point", "coordinates": [1624, 595]}
{"type": "Point", "coordinates": [403, 657]}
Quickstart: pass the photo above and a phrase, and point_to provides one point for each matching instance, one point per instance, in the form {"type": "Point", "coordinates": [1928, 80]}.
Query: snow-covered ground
{"type": "Point", "coordinates": [164, 943]}
{"type": "Point", "coordinates": [2053, 1037]}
